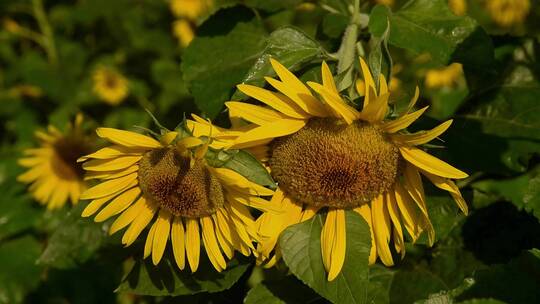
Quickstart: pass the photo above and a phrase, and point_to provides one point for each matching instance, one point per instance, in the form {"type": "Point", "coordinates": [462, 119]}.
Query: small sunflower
{"type": "Point", "coordinates": [183, 31]}
{"type": "Point", "coordinates": [190, 9]}
{"type": "Point", "coordinates": [508, 12]}
{"type": "Point", "coordinates": [110, 85]}
{"type": "Point", "coordinates": [444, 77]}
{"type": "Point", "coordinates": [167, 184]}
{"type": "Point", "coordinates": [326, 155]}
{"type": "Point", "coordinates": [54, 174]}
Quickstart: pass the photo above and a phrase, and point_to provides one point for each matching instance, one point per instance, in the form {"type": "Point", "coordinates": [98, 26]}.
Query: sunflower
{"type": "Point", "coordinates": [328, 156]}
{"type": "Point", "coordinates": [110, 85]}
{"type": "Point", "coordinates": [190, 9]}
{"type": "Point", "coordinates": [444, 77]}
{"type": "Point", "coordinates": [508, 12]}
{"type": "Point", "coordinates": [54, 174]}
{"type": "Point", "coordinates": [167, 184]}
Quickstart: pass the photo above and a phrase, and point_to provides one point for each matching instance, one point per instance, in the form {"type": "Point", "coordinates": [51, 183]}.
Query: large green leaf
{"type": "Point", "coordinates": [301, 249]}
{"type": "Point", "coordinates": [166, 279]}
{"type": "Point", "coordinates": [220, 56]}
{"type": "Point", "coordinates": [515, 282]}
{"type": "Point", "coordinates": [429, 26]}
{"type": "Point", "coordinates": [74, 242]}
{"type": "Point", "coordinates": [290, 47]}
{"type": "Point", "coordinates": [18, 270]}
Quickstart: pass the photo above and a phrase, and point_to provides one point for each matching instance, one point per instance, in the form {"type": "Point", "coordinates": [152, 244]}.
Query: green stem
{"type": "Point", "coordinates": [45, 27]}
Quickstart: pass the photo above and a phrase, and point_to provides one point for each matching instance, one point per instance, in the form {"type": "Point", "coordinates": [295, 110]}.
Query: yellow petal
{"type": "Point", "coordinates": [376, 110]}
{"type": "Point", "coordinates": [168, 138]}
{"type": "Point", "coordinates": [328, 80]}
{"type": "Point", "coordinates": [211, 245]}
{"type": "Point", "coordinates": [94, 205]}
{"type": "Point", "coordinates": [275, 100]}
{"type": "Point", "coordinates": [127, 138]}
{"type": "Point", "coordinates": [163, 227]}
{"type": "Point", "coordinates": [272, 130]}
{"type": "Point", "coordinates": [403, 122]}
{"type": "Point", "coordinates": [308, 213]}
{"type": "Point", "coordinates": [305, 100]}
{"type": "Point", "coordinates": [110, 187]}
{"type": "Point", "coordinates": [225, 245]}
{"type": "Point", "coordinates": [393, 211]}
{"type": "Point", "coordinates": [450, 186]}
{"type": "Point", "coordinates": [334, 101]}
{"type": "Point", "coordinates": [110, 174]}
{"type": "Point", "coordinates": [422, 137]}
{"type": "Point", "coordinates": [193, 243]}
{"type": "Point", "coordinates": [382, 227]}
{"type": "Point", "coordinates": [368, 79]}
{"type": "Point", "coordinates": [149, 241]}
{"type": "Point", "coordinates": [178, 242]}
{"type": "Point", "coordinates": [139, 223]}
{"type": "Point", "coordinates": [127, 216]}
{"type": "Point", "coordinates": [119, 204]}
{"type": "Point", "coordinates": [234, 179]}
{"type": "Point", "coordinates": [327, 239]}
{"type": "Point", "coordinates": [430, 163]}
{"type": "Point", "coordinates": [111, 164]}
{"type": "Point", "coordinates": [412, 102]}
{"type": "Point", "coordinates": [112, 152]}
{"type": "Point", "coordinates": [252, 113]}
{"type": "Point", "coordinates": [339, 245]}
{"type": "Point", "coordinates": [408, 211]}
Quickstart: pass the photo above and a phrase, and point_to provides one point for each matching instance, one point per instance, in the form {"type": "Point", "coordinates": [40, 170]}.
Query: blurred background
{"type": "Point", "coordinates": [109, 60]}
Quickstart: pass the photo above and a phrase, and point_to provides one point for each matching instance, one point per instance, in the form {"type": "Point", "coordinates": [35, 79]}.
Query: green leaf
{"type": "Point", "coordinates": [531, 198]}
{"type": "Point", "coordinates": [219, 57]}
{"type": "Point", "coordinates": [16, 211]}
{"type": "Point", "coordinates": [18, 270]}
{"type": "Point", "coordinates": [285, 291]}
{"type": "Point", "coordinates": [242, 162]}
{"type": "Point", "coordinates": [411, 285]}
{"type": "Point", "coordinates": [482, 301]}
{"type": "Point", "coordinates": [272, 5]}
{"type": "Point", "coordinates": [166, 279]}
{"type": "Point", "coordinates": [429, 26]}
{"type": "Point", "coordinates": [379, 60]}
{"type": "Point", "coordinates": [290, 47]}
{"type": "Point", "coordinates": [74, 242]}
{"type": "Point", "coordinates": [515, 282]}
{"type": "Point", "coordinates": [301, 249]}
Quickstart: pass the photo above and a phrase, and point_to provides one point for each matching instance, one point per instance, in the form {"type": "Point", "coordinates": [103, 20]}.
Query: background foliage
{"type": "Point", "coordinates": [487, 257]}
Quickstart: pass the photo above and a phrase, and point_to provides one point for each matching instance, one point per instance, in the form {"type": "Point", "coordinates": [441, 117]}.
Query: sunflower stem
{"type": "Point", "coordinates": [46, 30]}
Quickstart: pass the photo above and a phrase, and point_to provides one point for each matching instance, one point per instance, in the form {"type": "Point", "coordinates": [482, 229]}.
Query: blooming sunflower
{"type": "Point", "coordinates": [110, 85]}
{"type": "Point", "coordinates": [444, 77]}
{"type": "Point", "coordinates": [54, 174]}
{"type": "Point", "coordinates": [167, 182]}
{"type": "Point", "coordinates": [325, 154]}
{"type": "Point", "coordinates": [508, 12]}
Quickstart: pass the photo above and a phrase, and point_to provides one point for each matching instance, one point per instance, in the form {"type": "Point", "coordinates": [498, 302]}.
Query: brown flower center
{"type": "Point", "coordinates": [330, 163]}
{"type": "Point", "coordinates": [167, 178]}
{"type": "Point", "coordinates": [68, 150]}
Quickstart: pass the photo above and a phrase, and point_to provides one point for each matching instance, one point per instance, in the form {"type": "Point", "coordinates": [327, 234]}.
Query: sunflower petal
{"type": "Point", "coordinates": [163, 227]}
{"type": "Point", "coordinates": [393, 211]}
{"type": "Point", "coordinates": [127, 138]}
{"type": "Point", "coordinates": [193, 243]}
{"type": "Point", "coordinates": [139, 223]}
{"type": "Point", "coordinates": [112, 152]}
{"type": "Point", "coordinates": [178, 242]}
{"type": "Point", "coordinates": [422, 137]}
{"type": "Point", "coordinates": [334, 101]}
{"type": "Point", "coordinates": [430, 163]}
{"type": "Point", "coordinates": [110, 187]}
{"type": "Point", "coordinates": [127, 216]}
{"type": "Point", "coordinates": [328, 80]}
{"type": "Point", "coordinates": [277, 101]}
{"type": "Point", "coordinates": [271, 130]}
{"type": "Point", "coordinates": [111, 164]}
{"type": "Point", "coordinates": [408, 211]}
{"type": "Point", "coordinates": [211, 245]}
{"type": "Point", "coordinates": [450, 186]}
{"type": "Point", "coordinates": [119, 204]}
{"type": "Point", "coordinates": [382, 227]}
{"type": "Point", "coordinates": [339, 245]}
{"type": "Point", "coordinates": [403, 122]}
{"type": "Point", "coordinates": [252, 113]}
{"type": "Point", "coordinates": [365, 212]}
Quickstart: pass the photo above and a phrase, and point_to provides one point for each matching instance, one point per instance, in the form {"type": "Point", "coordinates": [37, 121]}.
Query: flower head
{"type": "Point", "coordinates": [110, 85]}
{"type": "Point", "coordinates": [165, 182]}
{"type": "Point", "coordinates": [53, 171]}
{"type": "Point", "coordinates": [328, 156]}
{"type": "Point", "coordinates": [508, 12]}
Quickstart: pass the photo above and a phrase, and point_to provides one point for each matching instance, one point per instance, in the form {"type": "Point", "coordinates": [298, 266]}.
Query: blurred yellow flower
{"type": "Point", "coordinates": [110, 85]}
{"type": "Point", "coordinates": [444, 77]}
{"type": "Point", "coordinates": [26, 90]}
{"type": "Point", "coordinates": [458, 7]}
{"type": "Point", "coordinates": [386, 2]}
{"type": "Point", "coordinates": [11, 26]}
{"type": "Point", "coordinates": [191, 9]}
{"type": "Point", "coordinates": [183, 31]}
{"type": "Point", "coordinates": [53, 171]}
{"type": "Point", "coordinates": [508, 12]}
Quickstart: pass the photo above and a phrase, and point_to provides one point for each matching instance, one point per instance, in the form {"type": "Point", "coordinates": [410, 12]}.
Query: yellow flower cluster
{"type": "Point", "coordinates": [507, 13]}
{"type": "Point", "coordinates": [109, 85]}
{"type": "Point", "coordinates": [444, 77]}
{"type": "Point", "coordinates": [187, 12]}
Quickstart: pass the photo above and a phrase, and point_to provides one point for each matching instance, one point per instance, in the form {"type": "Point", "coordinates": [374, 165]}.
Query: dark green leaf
{"type": "Point", "coordinates": [411, 285]}
{"type": "Point", "coordinates": [219, 58]}
{"type": "Point", "coordinates": [272, 5]}
{"type": "Point", "coordinates": [166, 279]}
{"type": "Point", "coordinates": [290, 47]}
{"type": "Point", "coordinates": [18, 270]}
{"type": "Point", "coordinates": [74, 242]}
{"type": "Point", "coordinates": [301, 249]}
{"type": "Point", "coordinates": [515, 282]}
{"type": "Point", "coordinates": [284, 291]}
{"type": "Point", "coordinates": [379, 60]}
